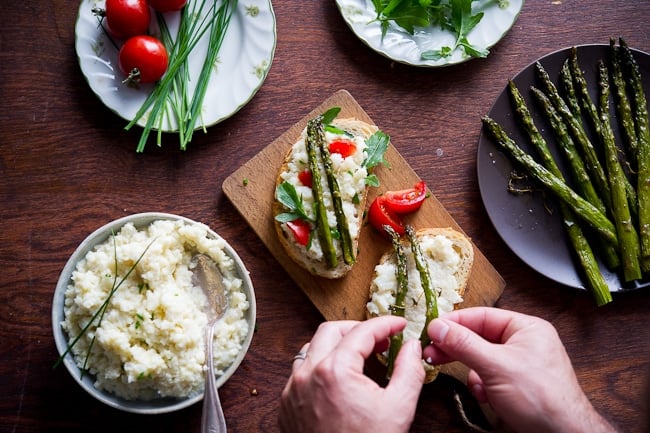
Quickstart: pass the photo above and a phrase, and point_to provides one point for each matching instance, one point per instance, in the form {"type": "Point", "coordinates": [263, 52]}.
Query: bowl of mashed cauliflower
{"type": "Point", "coordinates": [129, 323]}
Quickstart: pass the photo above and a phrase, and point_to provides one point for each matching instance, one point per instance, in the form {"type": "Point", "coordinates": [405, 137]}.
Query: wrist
{"type": "Point", "coordinates": [583, 418]}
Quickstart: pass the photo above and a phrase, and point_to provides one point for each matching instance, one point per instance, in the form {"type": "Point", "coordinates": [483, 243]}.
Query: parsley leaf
{"type": "Point", "coordinates": [377, 144]}
{"type": "Point", "coordinates": [288, 196]}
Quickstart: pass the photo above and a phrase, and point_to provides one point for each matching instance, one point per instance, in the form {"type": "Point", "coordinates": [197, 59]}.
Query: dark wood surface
{"type": "Point", "coordinates": [67, 167]}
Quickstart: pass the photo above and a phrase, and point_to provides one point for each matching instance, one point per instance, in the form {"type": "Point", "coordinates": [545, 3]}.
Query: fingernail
{"type": "Point", "coordinates": [438, 330]}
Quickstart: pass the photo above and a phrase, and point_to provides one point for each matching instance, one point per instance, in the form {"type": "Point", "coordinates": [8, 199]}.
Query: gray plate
{"type": "Point", "coordinates": [523, 221]}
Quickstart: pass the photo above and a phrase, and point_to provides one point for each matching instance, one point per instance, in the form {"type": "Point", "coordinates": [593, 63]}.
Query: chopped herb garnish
{"type": "Point", "coordinates": [96, 319]}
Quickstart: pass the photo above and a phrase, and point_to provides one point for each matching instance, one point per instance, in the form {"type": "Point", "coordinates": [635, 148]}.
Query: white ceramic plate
{"type": "Point", "coordinates": [403, 47]}
{"type": "Point", "coordinates": [243, 63]}
{"type": "Point", "coordinates": [160, 405]}
{"type": "Point", "coordinates": [523, 221]}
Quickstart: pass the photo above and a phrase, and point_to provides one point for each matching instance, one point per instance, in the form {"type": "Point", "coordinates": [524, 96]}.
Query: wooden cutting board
{"type": "Point", "coordinates": [251, 190]}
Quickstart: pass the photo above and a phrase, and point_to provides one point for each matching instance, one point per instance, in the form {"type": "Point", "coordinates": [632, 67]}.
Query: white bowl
{"type": "Point", "coordinates": [156, 406]}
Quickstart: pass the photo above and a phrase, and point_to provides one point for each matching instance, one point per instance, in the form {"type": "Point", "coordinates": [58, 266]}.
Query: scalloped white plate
{"type": "Point", "coordinates": [405, 48]}
{"type": "Point", "coordinates": [243, 63]}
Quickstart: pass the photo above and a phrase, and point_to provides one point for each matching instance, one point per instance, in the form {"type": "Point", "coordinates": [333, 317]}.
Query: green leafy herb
{"type": "Point", "coordinates": [452, 15]}
{"type": "Point", "coordinates": [377, 144]}
{"type": "Point", "coordinates": [288, 196]}
{"type": "Point", "coordinates": [330, 115]}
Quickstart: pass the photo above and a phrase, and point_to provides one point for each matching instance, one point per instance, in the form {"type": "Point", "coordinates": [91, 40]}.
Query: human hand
{"type": "Point", "coordinates": [519, 366]}
{"type": "Point", "coordinates": [328, 392]}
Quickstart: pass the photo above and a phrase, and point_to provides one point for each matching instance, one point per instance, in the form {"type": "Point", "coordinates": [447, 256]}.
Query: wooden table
{"type": "Point", "coordinates": [67, 167]}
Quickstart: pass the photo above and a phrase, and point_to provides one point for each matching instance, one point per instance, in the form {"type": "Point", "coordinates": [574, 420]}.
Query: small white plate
{"type": "Point", "coordinates": [405, 48]}
{"type": "Point", "coordinates": [243, 63]}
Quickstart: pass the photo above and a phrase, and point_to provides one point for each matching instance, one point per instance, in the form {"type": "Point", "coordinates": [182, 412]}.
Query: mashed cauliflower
{"type": "Point", "coordinates": [150, 343]}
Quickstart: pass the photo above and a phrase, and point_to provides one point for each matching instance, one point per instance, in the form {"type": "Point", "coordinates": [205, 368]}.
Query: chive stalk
{"type": "Point", "coordinates": [170, 96]}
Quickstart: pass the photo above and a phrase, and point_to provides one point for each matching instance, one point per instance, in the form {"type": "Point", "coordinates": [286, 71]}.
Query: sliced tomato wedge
{"type": "Point", "coordinates": [344, 148]}
{"type": "Point", "coordinates": [305, 178]}
{"type": "Point", "coordinates": [300, 229]}
{"type": "Point", "coordinates": [406, 200]}
{"type": "Point", "coordinates": [380, 215]}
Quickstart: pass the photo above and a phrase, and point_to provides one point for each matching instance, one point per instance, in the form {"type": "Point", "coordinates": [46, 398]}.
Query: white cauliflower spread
{"type": "Point", "coordinates": [151, 340]}
{"type": "Point", "coordinates": [351, 177]}
{"type": "Point", "coordinates": [443, 261]}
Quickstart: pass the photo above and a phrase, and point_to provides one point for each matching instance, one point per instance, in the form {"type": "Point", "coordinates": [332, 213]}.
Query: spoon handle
{"type": "Point", "coordinates": [212, 419]}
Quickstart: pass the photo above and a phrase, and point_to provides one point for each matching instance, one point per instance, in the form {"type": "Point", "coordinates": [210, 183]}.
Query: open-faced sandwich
{"type": "Point", "coordinates": [321, 192]}
{"type": "Point", "coordinates": [424, 274]}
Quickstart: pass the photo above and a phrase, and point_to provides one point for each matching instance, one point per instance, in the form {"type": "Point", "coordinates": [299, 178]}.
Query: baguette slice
{"type": "Point", "coordinates": [354, 191]}
{"type": "Point", "coordinates": [449, 255]}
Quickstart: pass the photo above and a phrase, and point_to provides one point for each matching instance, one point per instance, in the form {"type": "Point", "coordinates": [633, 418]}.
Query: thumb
{"type": "Point", "coordinates": [462, 344]}
{"type": "Point", "coordinates": [408, 374]}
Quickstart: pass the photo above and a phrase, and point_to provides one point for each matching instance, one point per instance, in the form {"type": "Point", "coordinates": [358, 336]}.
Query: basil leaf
{"type": "Point", "coordinates": [330, 115]}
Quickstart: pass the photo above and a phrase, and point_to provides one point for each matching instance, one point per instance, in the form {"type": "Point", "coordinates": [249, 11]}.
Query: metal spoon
{"type": "Point", "coordinates": [207, 276]}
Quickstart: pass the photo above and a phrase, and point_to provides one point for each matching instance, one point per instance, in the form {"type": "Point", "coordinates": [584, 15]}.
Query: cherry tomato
{"type": "Point", "coordinates": [380, 215]}
{"type": "Point", "coordinates": [343, 147]}
{"type": "Point", "coordinates": [301, 230]}
{"type": "Point", "coordinates": [143, 59]}
{"type": "Point", "coordinates": [305, 178]}
{"type": "Point", "coordinates": [406, 200]}
{"type": "Point", "coordinates": [126, 18]}
{"type": "Point", "coordinates": [167, 5]}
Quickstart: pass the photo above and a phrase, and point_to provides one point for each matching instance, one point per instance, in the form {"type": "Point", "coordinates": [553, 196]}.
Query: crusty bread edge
{"type": "Point", "coordinates": [458, 239]}
{"type": "Point", "coordinates": [295, 251]}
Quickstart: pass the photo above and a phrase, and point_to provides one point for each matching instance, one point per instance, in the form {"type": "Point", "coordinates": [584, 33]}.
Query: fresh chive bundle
{"type": "Point", "coordinates": [170, 98]}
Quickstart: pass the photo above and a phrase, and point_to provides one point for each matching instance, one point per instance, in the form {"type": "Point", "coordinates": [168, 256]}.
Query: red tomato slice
{"type": "Point", "coordinates": [380, 215]}
{"type": "Point", "coordinates": [344, 148]}
{"type": "Point", "coordinates": [406, 200]}
{"type": "Point", "coordinates": [305, 178]}
{"type": "Point", "coordinates": [300, 229]}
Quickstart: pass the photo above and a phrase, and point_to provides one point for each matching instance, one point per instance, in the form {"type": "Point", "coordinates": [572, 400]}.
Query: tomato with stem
{"type": "Point", "coordinates": [126, 18]}
{"type": "Point", "coordinates": [143, 59]}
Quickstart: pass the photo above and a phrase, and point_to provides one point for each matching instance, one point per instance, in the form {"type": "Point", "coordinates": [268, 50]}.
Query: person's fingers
{"type": "Point", "coordinates": [464, 345]}
{"type": "Point", "coordinates": [433, 355]}
{"type": "Point", "coordinates": [493, 324]}
{"type": "Point", "coordinates": [475, 385]}
{"type": "Point", "coordinates": [408, 374]}
{"type": "Point", "coordinates": [364, 338]}
{"type": "Point", "coordinates": [326, 338]}
{"type": "Point", "coordinates": [300, 357]}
